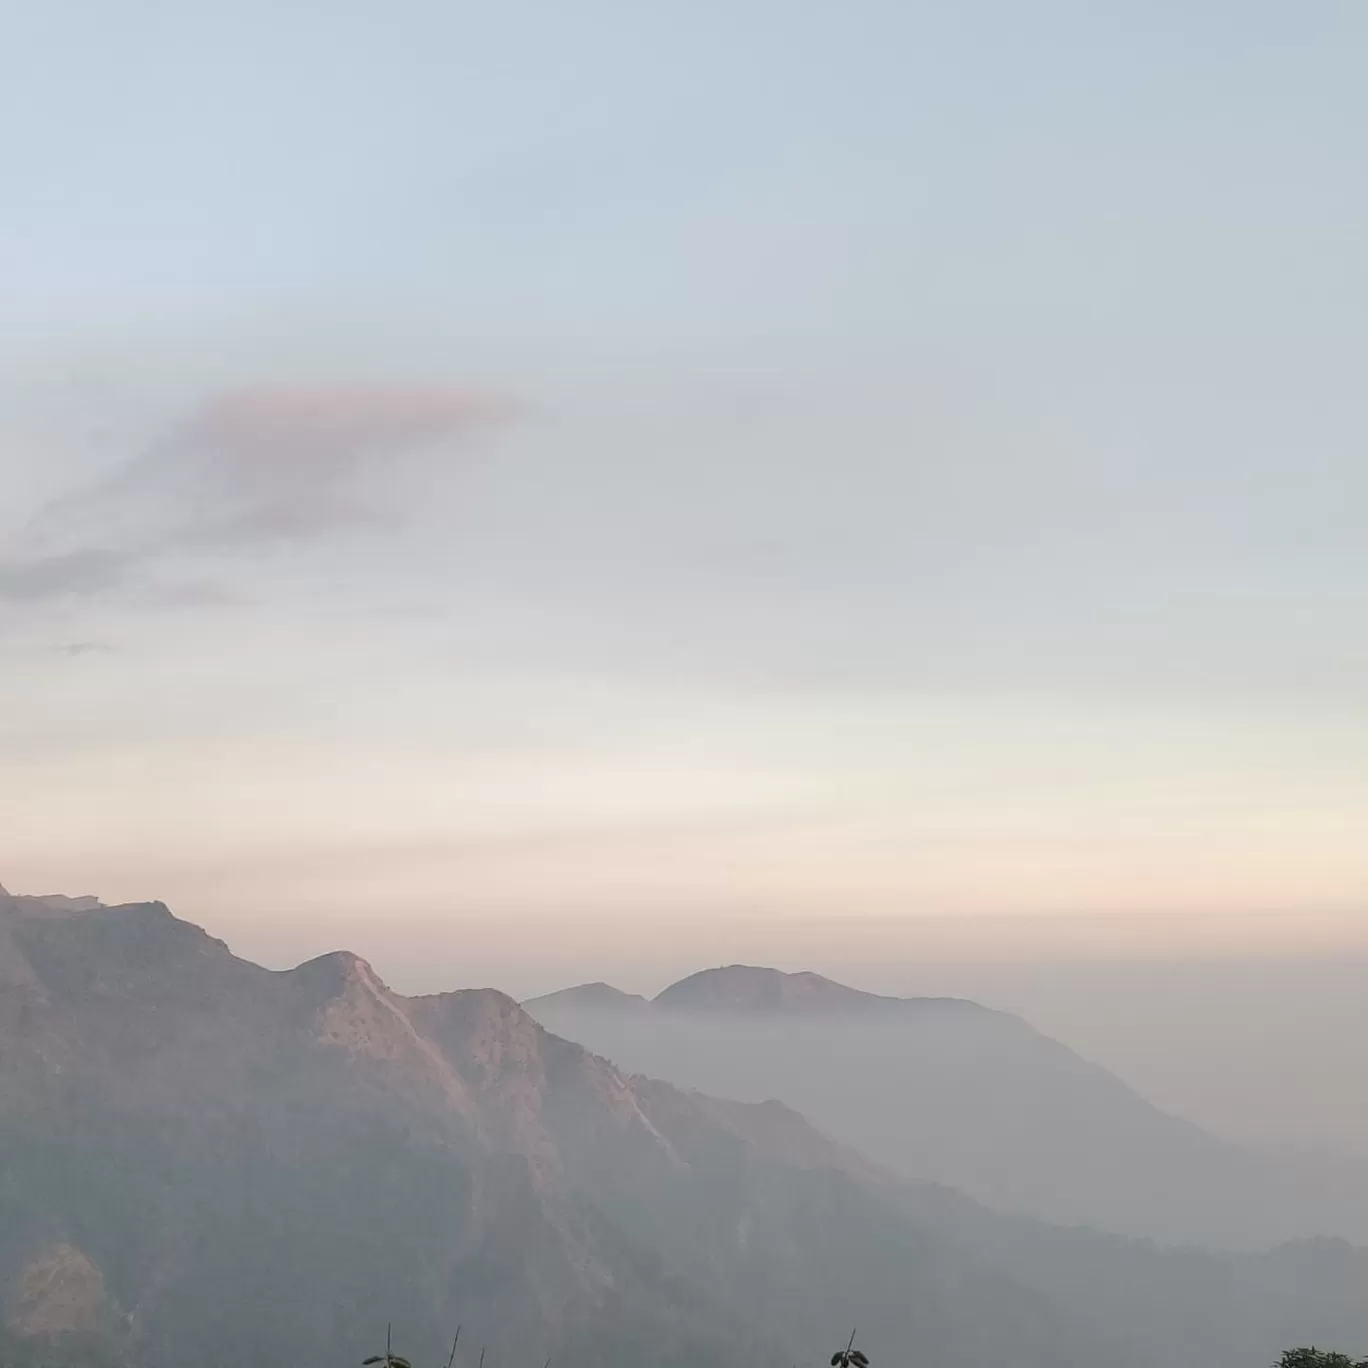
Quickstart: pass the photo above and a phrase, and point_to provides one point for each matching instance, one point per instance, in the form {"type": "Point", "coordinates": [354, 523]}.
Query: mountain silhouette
{"type": "Point", "coordinates": [205, 1161]}
{"type": "Point", "coordinates": [945, 1090]}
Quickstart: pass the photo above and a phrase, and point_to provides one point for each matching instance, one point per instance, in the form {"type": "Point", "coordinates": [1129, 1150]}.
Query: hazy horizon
{"type": "Point", "coordinates": [870, 462]}
{"type": "Point", "coordinates": [1253, 1043]}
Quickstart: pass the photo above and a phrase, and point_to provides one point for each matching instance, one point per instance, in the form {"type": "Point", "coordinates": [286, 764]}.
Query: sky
{"type": "Point", "coordinates": [575, 484]}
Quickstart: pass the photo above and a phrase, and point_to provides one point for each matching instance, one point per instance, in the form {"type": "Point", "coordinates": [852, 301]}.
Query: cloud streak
{"type": "Point", "coordinates": [79, 573]}
{"type": "Point", "coordinates": [268, 464]}
{"type": "Point", "coordinates": [276, 463]}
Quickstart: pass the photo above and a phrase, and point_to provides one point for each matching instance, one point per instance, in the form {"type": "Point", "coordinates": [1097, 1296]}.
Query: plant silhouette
{"type": "Point", "coordinates": [849, 1357]}
{"type": "Point", "coordinates": [388, 1358]}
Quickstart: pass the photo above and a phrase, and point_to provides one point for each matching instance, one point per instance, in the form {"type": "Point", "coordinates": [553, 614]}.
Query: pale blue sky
{"type": "Point", "coordinates": [890, 457]}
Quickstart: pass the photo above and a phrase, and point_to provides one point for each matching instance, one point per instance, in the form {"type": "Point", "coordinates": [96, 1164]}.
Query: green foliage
{"type": "Point", "coordinates": [1318, 1358]}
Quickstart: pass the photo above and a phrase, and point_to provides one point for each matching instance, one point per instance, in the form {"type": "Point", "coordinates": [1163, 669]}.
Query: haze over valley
{"type": "Point", "coordinates": [947, 1090]}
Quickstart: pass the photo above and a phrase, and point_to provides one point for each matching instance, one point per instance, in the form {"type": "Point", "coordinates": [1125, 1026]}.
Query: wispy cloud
{"type": "Point", "coordinates": [39, 578]}
{"type": "Point", "coordinates": [76, 649]}
{"type": "Point", "coordinates": [266, 464]}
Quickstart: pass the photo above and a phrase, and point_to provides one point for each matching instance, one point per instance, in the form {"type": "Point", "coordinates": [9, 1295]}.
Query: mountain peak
{"type": "Point", "coordinates": [336, 967]}
{"type": "Point", "coordinates": [353, 1002]}
{"type": "Point", "coordinates": [742, 987]}
{"type": "Point", "coordinates": [49, 902]}
{"type": "Point", "coordinates": [593, 996]}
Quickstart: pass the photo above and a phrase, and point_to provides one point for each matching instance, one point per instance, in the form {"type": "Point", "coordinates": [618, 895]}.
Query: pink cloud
{"type": "Point", "coordinates": [265, 463]}
{"type": "Point", "coordinates": [323, 428]}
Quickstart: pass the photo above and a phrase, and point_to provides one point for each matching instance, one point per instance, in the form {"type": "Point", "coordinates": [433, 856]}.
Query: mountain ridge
{"type": "Point", "coordinates": [947, 1090]}
{"type": "Point", "coordinates": [205, 1159]}
{"type": "Point", "coordinates": [157, 1088]}
{"type": "Point", "coordinates": [745, 987]}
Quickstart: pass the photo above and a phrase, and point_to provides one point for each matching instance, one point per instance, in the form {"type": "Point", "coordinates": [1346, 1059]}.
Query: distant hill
{"type": "Point", "coordinates": [742, 987]}
{"type": "Point", "coordinates": [596, 997]}
{"type": "Point", "coordinates": [205, 1162]}
{"type": "Point", "coordinates": [945, 1090]}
